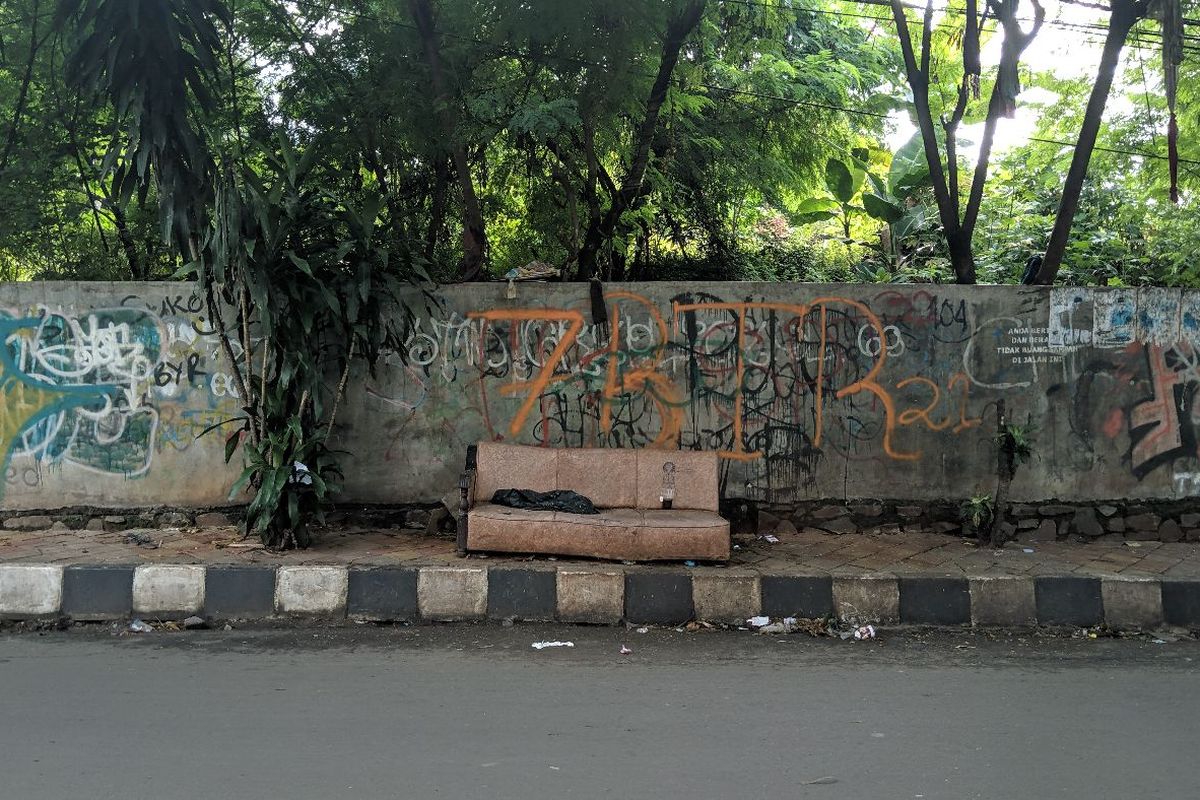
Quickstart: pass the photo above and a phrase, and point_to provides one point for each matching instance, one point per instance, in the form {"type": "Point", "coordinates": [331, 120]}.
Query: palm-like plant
{"type": "Point", "coordinates": [295, 277]}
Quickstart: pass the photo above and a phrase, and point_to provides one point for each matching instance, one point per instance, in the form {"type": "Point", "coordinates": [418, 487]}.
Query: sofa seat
{"type": "Point", "coordinates": [633, 534]}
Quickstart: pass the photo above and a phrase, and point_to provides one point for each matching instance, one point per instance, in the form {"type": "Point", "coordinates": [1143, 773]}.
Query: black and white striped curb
{"type": "Point", "coordinates": [599, 595]}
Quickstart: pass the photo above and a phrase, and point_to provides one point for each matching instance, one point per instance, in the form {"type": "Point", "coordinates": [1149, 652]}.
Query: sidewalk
{"type": "Point", "coordinates": [396, 574]}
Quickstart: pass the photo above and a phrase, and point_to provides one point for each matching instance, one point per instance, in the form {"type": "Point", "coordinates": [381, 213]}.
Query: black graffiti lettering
{"type": "Point", "coordinates": [166, 373]}
{"type": "Point", "coordinates": [179, 305]}
{"type": "Point", "coordinates": [193, 362]}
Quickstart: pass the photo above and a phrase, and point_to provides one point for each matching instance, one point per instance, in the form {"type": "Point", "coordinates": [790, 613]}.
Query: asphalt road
{"type": "Point", "coordinates": [475, 712]}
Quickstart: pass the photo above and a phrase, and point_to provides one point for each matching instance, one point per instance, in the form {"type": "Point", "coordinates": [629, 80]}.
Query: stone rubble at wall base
{"type": "Point", "coordinates": [1167, 521]}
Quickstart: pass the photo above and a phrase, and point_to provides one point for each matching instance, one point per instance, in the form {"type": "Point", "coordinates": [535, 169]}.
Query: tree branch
{"type": "Point", "coordinates": [960, 250]}
{"type": "Point", "coordinates": [926, 39]}
{"type": "Point", "coordinates": [1125, 14]}
{"type": "Point", "coordinates": [474, 236]}
{"type": "Point", "coordinates": [23, 93]}
{"type": "Point", "coordinates": [632, 187]}
{"type": "Point", "coordinates": [1014, 44]}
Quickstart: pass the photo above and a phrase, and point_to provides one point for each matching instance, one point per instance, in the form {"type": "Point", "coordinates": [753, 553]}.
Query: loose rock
{"type": "Point", "coordinates": [784, 528]}
{"type": "Point", "coordinates": [1144, 522]}
{"type": "Point", "coordinates": [36, 522]}
{"type": "Point", "coordinates": [173, 519]}
{"type": "Point", "coordinates": [1170, 531]}
{"type": "Point", "coordinates": [1055, 510]}
{"type": "Point", "coordinates": [830, 512]}
{"type": "Point", "coordinates": [1087, 524]}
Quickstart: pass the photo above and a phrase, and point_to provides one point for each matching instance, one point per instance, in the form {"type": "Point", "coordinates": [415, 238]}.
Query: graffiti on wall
{"type": "Point", "coordinates": [806, 390]}
{"type": "Point", "coordinates": [105, 389]}
{"type": "Point", "coordinates": [791, 386]}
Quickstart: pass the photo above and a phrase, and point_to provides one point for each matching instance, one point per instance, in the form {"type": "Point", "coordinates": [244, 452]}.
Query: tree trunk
{"type": "Point", "coordinates": [632, 188]}
{"type": "Point", "coordinates": [139, 271]}
{"type": "Point", "coordinates": [23, 92]}
{"type": "Point", "coordinates": [1125, 13]}
{"type": "Point", "coordinates": [587, 252]}
{"type": "Point", "coordinates": [371, 157]}
{"type": "Point", "coordinates": [474, 236]}
{"type": "Point", "coordinates": [959, 227]}
{"type": "Point", "coordinates": [1004, 475]}
{"type": "Point", "coordinates": [437, 210]}
{"type": "Point", "coordinates": [84, 180]}
{"type": "Point", "coordinates": [961, 258]}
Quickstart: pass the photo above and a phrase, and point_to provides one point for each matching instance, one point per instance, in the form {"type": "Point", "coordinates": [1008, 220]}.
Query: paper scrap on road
{"type": "Point", "coordinates": [542, 645]}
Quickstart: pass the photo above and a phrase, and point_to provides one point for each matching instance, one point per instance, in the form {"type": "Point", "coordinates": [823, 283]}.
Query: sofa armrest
{"type": "Point", "coordinates": [466, 491]}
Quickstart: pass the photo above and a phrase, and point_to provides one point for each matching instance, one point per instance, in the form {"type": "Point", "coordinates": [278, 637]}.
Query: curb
{"type": "Point", "coordinates": [599, 595]}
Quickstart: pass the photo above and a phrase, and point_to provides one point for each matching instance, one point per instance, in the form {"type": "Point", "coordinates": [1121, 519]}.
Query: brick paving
{"type": "Point", "coordinates": [805, 552]}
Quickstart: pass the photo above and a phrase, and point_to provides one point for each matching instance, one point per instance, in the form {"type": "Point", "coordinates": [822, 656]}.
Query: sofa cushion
{"type": "Point", "coordinates": [696, 478]}
{"type": "Point", "coordinates": [607, 477]}
{"type": "Point", "coordinates": [512, 466]}
{"type": "Point", "coordinates": [618, 533]}
{"type": "Point", "coordinates": [682, 518]}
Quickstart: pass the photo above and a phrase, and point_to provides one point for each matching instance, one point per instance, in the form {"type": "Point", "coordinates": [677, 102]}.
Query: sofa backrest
{"type": "Point", "coordinates": [609, 477]}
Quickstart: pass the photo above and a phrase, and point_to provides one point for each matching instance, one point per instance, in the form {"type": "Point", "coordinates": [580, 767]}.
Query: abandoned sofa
{"type": "Point", "coordinates": [626, 486]}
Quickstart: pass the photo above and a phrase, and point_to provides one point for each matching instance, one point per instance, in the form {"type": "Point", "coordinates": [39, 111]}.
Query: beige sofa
{"type": "Point", "coordinates": [625, 485]}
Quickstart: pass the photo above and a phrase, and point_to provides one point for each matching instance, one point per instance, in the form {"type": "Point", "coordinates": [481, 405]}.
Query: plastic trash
{"type": "Point", "coordinates": [864, 632]}
{"type": "Point", "coordinates": [137, 626]}
{"type": "Point", "coordinates": [643, 630]}
{"type": "Point", "coordinates": [758, 622]}
{"type": "Point", "coordinates": [625, 650]}
{"type": "Point", "coordinates": [554, 500]}
{"type": "Point", "coordinates": [543, 645]}
{"type": "Point", "coordinates": [689, 563]}
{"type": "Point", "coordinates": [141, 539]}
{"type": "Point", "coordinates": [300, 474]}
{"type": "Point", "coordinates": [1026, 549]}
{"type": "Point", "coordinates": [771, 538]}
{"type": "Point", "coordinates": [786, 625]}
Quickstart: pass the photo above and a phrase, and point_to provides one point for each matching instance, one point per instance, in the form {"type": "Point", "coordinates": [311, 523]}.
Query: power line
{"type": "Point", "coordinates": [726, 90]}
{"type": "Point", "coordinates": [1092, 27]}
{"type": "Point", "coordinates": [1137, 153]}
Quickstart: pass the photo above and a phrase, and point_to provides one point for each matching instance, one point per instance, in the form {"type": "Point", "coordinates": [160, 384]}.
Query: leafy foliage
{"type": "Point", "coordinates": [312, 287]}
{"type": "Point", "coordinates": [153, 61]}
{"type": "Point", "coordinates": [1017, 443]}
{"type": "Point", "coordinates": [978, 510]}
{"type": "Point", "coordinates": [540, 113]}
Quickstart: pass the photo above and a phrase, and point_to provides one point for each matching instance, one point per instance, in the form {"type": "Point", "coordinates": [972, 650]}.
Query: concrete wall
{"type": "Point", "coordinates": [104, 388]}
{"type": "Point", "coordinates": [810, 391]}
